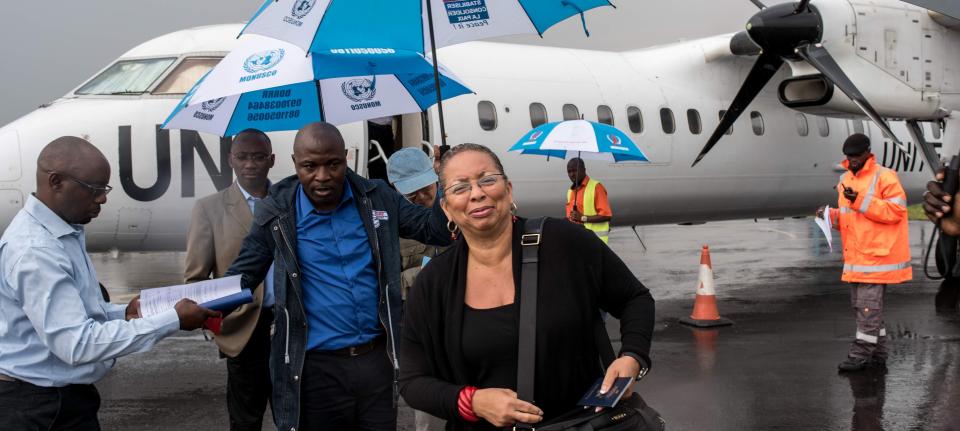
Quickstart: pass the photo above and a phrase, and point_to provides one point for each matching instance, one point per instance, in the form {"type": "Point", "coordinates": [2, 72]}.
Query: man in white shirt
{"type": "Point", "coordinates": [57, 334]}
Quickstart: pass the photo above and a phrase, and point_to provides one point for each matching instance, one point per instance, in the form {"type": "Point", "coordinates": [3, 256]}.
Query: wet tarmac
{"type": "Point", "coordinates": [774, 369]}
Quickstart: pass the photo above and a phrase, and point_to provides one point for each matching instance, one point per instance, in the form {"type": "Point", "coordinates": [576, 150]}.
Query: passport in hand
{"type": "Point", "coordinates": [593, 397]}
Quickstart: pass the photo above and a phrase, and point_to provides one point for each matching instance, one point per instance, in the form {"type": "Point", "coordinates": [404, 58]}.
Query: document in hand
{"type": "Point", "coordinates": [824, 224]}
{"type": "Point", "coordinates": [221, 294]}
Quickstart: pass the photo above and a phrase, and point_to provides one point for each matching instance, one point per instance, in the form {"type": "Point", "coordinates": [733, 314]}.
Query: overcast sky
{"type": "Point", "coordinates": [48, 48]}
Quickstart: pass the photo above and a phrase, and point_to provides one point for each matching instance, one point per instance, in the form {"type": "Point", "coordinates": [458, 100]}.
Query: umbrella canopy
{"type": "Point", "coordinates": [580, 138]}
{"type": "Point", "coordinates": [290, 106]}
{"type": "Point", "coordinates": [458, 21]}
{"type": "Point", "coordinates": [325, 26]}
{"type": "Point", "coordinates": [261, 62]}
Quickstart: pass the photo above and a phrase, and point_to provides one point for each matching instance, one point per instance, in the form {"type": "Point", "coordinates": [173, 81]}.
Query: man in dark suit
{"type": "Point", "coordinates": [217, 228]}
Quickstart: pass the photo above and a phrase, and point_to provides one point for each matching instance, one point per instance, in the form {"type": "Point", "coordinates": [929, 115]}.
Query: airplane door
{"type": "Point", "coordinates": [355, 138]}
{"type": "Point", "coordinates": [11, 199]}
{"type": "Point", "coordinates": [10, 202]}
{"type": "Point", "coordinates": [10, 162]}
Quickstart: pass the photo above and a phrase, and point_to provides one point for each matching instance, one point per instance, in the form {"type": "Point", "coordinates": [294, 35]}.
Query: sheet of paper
{"type": "Point", "coordinates": [157, 300]}
{"type": "Point", "coordinates": [824, 224]}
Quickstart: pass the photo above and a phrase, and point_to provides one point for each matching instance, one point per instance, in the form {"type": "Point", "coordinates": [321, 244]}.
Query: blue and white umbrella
{"type": "Point", "coordinates": [580, 138]}
{"type": "Point", "coordinates": [327, 27]}
{"type": "Point", "coordinates": [261, 62]}
{"type": "Point", "coordinates": [345, 35]}
{"type": "Point", "coordinates": [287, 96]}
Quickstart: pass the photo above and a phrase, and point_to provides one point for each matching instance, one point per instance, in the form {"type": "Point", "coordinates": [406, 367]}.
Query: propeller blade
{"type": "Point", "coordinates": [819, 58]}
{"type": "Point", "coordinates": [759, 4]}
{"type": "Point", "coordinates": [764, 69]}
{"type": "Point", "coordinates": [803, 5]}
{"type": "Point", "coordinates": [929, 153]}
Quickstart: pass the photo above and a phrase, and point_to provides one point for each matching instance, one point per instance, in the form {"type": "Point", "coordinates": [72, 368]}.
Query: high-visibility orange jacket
{"type": "Point", "coordinates": [874, 227]}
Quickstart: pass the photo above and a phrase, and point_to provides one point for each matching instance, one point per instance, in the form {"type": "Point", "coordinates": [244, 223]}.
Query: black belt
{"type": "Point", "coordinates": [6, 378]}
{"type": "Point", "coordinates": [357, 350]}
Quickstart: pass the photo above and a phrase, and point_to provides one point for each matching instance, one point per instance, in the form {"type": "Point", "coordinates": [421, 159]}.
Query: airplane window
{"type": "Point", "coordinates": [693, 118]}
{"type": "Point", "coordinates": [187, 73]}
{"type": "Point", "coordinates": [756, 120]}
{"type": "Point", "coordinates": [605, 114]}
{"type": "Point", "coordinates": [635, 118]}
{"type": "Point", "coordinates": [538, 114]}
{"type": "Point", "coordinates": [571, 112]}
{"type": "Point", "coordinates": [667, 121]}
{"type": "Point", "coordinates": [720, 116]}
{"type": "Point", "coordinates": [857, 126]}
{"type": "Point", "coordinates": [488, 115]}
{"type": "Point", "coordinates": [824, 126]}
{"type": "Point", "coordinates": [803, 128]}
{"type": "Point", "coordinates": [127, 77]}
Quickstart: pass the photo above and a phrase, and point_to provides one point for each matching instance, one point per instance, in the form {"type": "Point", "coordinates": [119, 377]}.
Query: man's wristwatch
{"type": "Point", "coordinates": [644, 367]}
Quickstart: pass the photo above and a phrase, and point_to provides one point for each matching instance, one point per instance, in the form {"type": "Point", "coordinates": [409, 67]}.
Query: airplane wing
{"type": "Point", "coordinates": [949, 8]}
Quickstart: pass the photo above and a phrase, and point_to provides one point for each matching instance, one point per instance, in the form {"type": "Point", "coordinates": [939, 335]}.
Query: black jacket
{"type": "Point", "coordinates": [273, 239]}
{"type": "Point", "coordinates": [578, 276]}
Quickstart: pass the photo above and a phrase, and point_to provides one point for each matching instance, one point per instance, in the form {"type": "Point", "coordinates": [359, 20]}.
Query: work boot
{"type": "Point", "coordinates": [853, 364]}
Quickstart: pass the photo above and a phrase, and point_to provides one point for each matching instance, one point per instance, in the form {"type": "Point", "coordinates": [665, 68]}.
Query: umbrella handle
{"type": "Point", "coordinates": [583, 18]}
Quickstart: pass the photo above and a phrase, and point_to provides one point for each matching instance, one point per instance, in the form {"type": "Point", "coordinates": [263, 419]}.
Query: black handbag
{"type": "Point", "coordinates": [631, 414]}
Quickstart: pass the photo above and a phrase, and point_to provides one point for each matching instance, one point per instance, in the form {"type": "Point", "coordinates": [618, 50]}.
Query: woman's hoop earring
{"type": "Point", "coordinates": [454, 229]}
{"type": "Point", "coordinates": [514, 208]}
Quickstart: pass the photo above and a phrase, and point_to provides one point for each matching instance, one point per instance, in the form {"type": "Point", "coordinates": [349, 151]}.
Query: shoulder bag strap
{"type": "Point", "coordinates": [526, 353]}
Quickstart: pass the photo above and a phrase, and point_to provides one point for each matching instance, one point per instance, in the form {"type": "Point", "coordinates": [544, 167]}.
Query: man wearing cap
{"type": "Point", "coordinates": [871, 215]}
{"type": "Point", "coordinates": [412, 173]}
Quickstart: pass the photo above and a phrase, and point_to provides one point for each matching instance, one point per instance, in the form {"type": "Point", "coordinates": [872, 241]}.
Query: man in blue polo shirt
{"type": "Point", "coordinates": [333, 237]}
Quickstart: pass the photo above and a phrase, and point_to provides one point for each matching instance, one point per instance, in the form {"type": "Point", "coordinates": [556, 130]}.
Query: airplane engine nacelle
{"type": "Point", "coordinates": [891, 50]}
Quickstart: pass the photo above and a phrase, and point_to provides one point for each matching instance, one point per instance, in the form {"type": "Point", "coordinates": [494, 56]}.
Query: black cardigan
{"type": "Point", "coordinates": [578, 275]}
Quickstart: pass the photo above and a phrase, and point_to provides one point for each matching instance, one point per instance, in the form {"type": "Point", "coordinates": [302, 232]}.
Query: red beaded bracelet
{"type": "Point", "coordinates": [465, 404]}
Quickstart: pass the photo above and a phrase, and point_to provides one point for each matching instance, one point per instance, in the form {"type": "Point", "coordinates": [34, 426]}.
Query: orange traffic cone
{"type": "Point", "coordinates": [705, 312]}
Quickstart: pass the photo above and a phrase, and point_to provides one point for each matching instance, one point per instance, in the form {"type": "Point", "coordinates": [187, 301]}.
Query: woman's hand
{"type": "Point", "coordinates": [502, 408]}
{"type": "Point", "coordinates": [624, 366]}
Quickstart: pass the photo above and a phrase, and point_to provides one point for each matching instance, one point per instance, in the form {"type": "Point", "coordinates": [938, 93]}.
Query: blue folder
{"type": "Point", "coordinates": [231, 302]}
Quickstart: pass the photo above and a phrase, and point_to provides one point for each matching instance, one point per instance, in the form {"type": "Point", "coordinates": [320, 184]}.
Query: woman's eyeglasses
{"type": "Point", "coordinates": [463, 187]}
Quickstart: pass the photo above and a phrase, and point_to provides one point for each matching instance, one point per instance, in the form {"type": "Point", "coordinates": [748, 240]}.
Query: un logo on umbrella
{"type": "Point", "coordinates": [263, 60]}
{"type": "Point", "coordinates": [212, 105]}
{"type": "Point", "coordinates": [302, 8]}
{"type": "Point", "coordinates": [359, 89]}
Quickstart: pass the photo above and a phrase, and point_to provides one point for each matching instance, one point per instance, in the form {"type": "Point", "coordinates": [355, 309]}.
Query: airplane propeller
{"type": "Point", "coordinates": [789, 32]}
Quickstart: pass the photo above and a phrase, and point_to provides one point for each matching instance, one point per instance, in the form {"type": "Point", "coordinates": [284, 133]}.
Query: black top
{"type": "Point", "coordinates": [579, 275]}
{"type": "Point", "coordinates": [490, 340]}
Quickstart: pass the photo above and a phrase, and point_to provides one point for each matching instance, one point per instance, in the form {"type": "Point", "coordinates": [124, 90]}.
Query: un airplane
{"type": "Point", "coordinates": [779, 158]}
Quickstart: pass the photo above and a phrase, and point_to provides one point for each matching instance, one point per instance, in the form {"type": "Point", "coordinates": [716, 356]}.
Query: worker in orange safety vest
{"type": "Point", "coordinates": [587, 202]}
{"type": "Point", "coordinates": [871, 215]}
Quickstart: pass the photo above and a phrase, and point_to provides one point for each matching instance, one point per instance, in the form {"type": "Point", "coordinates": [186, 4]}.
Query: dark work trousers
{"type": "Point", "coordinates": [948, 296]}
{"type": "Point", "coordinates": [871, 338]}
{"type": "Point", "coordinates": [248, 379]}
{"type": "Point", "coordinates": [27, 407]}
{"type": "Point", "coordinates": [344, 393]}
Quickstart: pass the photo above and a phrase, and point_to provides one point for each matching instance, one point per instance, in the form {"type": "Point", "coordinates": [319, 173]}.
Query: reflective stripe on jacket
{"type": "Point", "coordinates": [590, 209]}
{"type": "Point", "coordinates": [874, 227]}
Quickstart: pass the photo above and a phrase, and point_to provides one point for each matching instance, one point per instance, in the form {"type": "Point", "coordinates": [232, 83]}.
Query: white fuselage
{"type": "Point", "coordinates": [776, 174]}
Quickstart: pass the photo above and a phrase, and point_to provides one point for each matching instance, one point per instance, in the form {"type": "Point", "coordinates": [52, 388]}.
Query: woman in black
{"type": "Point", "coordinates": [458, 353]}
